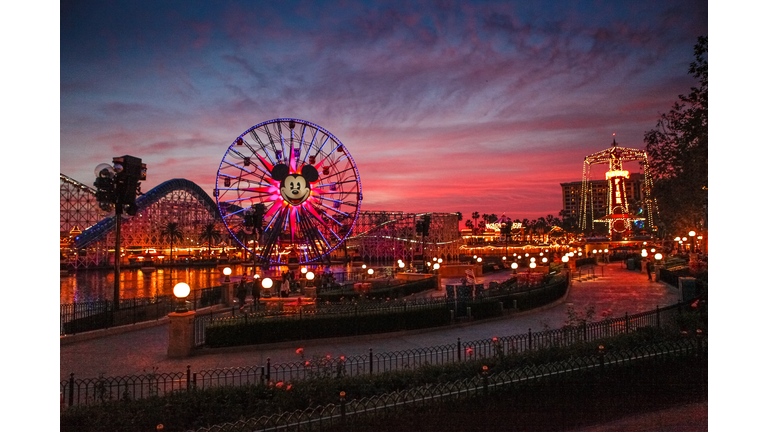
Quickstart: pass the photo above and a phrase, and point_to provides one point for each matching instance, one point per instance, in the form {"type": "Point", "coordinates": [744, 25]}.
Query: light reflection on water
{"type": "Point", "coordinates": [92, 285]}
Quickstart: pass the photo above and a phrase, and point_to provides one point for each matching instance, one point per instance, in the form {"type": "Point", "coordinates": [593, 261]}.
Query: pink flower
{"type": "Point", "coordinates": [279, 384]}
{"type": "Point", "coordinates": [300, 351]}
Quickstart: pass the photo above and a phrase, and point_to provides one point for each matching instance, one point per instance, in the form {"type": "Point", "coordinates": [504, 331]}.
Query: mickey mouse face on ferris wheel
{"type": "Point", "coordinates": [295, 188]}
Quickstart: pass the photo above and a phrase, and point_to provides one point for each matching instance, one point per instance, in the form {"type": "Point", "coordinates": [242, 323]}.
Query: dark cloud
{"type": "Point", "coordinates": [445, 105]}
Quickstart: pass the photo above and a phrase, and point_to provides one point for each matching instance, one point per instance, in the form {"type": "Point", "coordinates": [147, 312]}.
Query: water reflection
{"type": "Point", "coordinates": [95, 285]}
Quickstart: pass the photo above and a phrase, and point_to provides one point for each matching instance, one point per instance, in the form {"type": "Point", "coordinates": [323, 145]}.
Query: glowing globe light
{"type": "Point", "coordinates": [565, 258]}
{"type": "Point", "coordinates": [541, 253]}
{"type": "Point", "coordinates": [532, 265]}
{"type": "Point", "coordinates": [504, 258]}
{"type": "Point", "coordinates": [267, 283]}
{"type": "Point", "coordinates": [370, 271]}
{"type": "Point", "coordinates": [526, 255]}
{"type": "Point", "coordinates": [365, 266]}
{"type": "Point", "coordinates": [579, 253]}
{"type": "Point", "coordinates": [479, 259]}
{"type": "Point", "coordinates": [429, 264]}
{"type": "Point", "coordinates": [544, 259]}
{"type": "Point", "coordinates": [401, 264]}
{"type": "Point", "coordinates": [594, 251]}
{"type": "Point", "coordinates": [692, 233]}
{"type": "Point", "coordinates": [310, 275]}
{"type": "Point", "coordinates": [533, 259]}
{"type": "Point", "coordinates": [653, 250]}
{"type": "Point", "coordinates": [436, 266]}
{"type": "Point", "coordinates": [677, 239]}
{"type": "Point", "coordinates": [440, 260]}
{"type": "Point", "coordinates": [474, 256]}
{"type": "Point", "coordinates": [304, 270]}
{"type": "Point", "coordinates": [644, 253]}
{"type": "Point", "coordinates": [434, 258]}
{"type": "Point", "coordinates": [181, 290]}
{"type": "Point", "coordinates": [227, 271]}
{"type": "Point", "coordinates": [514, 265]}
{"type": "Point", "coordinates": [657, 256]}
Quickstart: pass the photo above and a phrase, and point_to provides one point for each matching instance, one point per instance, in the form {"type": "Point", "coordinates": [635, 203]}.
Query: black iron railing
{"type": "Point", "coordinates": [79, 391]}
{"type": "Point", "coordinates": [86, 316]}
{"type": "Point", "coordinates": [481, 384]}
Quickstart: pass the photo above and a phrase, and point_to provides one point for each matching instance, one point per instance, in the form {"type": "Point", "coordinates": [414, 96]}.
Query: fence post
{"type": "Point", "coordinates": [370, 361]}
{"type": "Point", "coordinates": [458, 349]}
{"type": "Point", "coordinates": [485, 380]}
{"type": "Point", "coordinates": [269, 368]}
{"type": "Point", "coordinates": [71, 389]}
{"type": "Point", "coordinates": [530, 339]}
{"type": "Point", "coordinates": [601, 354]}
{"type": "Point", "coordinates": [584, 328]}
{"type": "Point", "coordinates": [658, 317]}
{"type": "Point", "coordinates": [626, 322]}
{"type": "Point", "coordinates": [343, 401]}
{"type": "Point", "coordinates": [261, 378]}
{"type": "Point", "coordinates": [188, 381]}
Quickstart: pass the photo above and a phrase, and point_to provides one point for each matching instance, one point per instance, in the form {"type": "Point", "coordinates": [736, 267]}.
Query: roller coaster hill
{"type": "Point", "coordinates": [87, 237]}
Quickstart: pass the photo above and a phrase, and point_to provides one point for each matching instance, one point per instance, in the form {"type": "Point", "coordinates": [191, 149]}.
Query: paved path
{"type": "Point", "coordinates": [616, 291]}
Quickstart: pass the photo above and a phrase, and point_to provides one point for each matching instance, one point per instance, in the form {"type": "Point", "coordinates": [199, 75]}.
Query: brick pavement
{"type": "Point", "coordinates": [616, 291]}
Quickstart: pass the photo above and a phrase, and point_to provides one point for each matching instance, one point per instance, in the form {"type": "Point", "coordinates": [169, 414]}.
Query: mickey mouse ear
{"type": "Point", "coordinates": [310, 173]}
{"type": "Point", "coordinates": [280, 172]}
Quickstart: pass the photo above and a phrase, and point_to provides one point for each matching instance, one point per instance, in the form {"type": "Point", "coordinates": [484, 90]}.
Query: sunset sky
{"type": "Point", "coordinates": [445, 106]}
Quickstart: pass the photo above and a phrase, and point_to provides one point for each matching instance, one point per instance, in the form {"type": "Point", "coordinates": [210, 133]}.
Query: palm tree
{"type": "Point", "coordinates": [492, 218]}
{"type": "Point", "coordinates": [460, 216]}
{"type": "Point", "coordinates": [172, 231]}
{"type": "Point", "coordinates": [468, 224]}
{"type": "Point", "coordinates": [211, 234]}
{"type": "Point", "coordinates": [475, 216]}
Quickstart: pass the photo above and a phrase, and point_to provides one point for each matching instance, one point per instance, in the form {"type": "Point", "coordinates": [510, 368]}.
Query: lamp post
{"type": "Point", "coordinates": [514, 268]}
{"type": "Point", "coordinates": [266, 284]}
{"type": "Point", "coordinates": [181, 291]}
{"type": "Point", "coordinates": [227, 271]}
{"type": "Point", "coordinates": [181, 334]}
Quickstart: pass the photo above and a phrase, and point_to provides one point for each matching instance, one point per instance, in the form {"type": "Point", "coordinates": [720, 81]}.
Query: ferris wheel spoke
{"type": "Point", "coordinates": [309, 147]}
{"type": "Point", "coordinates": [334, 209]}
{"type": "Point", "coordinates": [228, 215]}
{"type": "Point", "coordinates": [263, 148]}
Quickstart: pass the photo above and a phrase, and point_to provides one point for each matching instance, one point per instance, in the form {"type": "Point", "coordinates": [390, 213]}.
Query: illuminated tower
{"type": "Point", "coordinates": [618, 216]}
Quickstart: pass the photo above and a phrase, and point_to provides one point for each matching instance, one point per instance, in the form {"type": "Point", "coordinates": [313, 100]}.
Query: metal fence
{"type": "Point", "coordinates": [86, 316]}
{"type": "Point", "coordinates": [94, 390]}
{"type": "Point", "coordinates": [482, 384]}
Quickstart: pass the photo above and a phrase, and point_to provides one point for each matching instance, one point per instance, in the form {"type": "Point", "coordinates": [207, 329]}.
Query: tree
{"type": "Point", "coordinates": [492, 218]}
{"type": "Point", "coordinates": [475, 216]}
{"type": "Point", "coordinates": [172, 231]}
{"type": "Point", "coordinates": [210, 234]}
{"type": "Point", "coordinates": [468, 224]}
{"type": "Point", "coordinates": [460, 216]}
{"type": "Point", "coordinates": [677, 154]}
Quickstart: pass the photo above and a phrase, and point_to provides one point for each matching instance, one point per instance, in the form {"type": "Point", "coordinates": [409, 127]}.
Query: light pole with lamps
{"type": "Point", "coordinates": [181, 324]}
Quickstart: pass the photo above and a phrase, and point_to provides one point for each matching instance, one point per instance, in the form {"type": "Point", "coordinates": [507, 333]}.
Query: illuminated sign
{"type": "Point", "coordinates": [497, 226]}
{"type": "Point", "coordinates": [616, 173]}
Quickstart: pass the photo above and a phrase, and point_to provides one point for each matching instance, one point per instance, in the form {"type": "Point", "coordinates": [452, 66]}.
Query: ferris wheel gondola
{"type": "Point", "coordinates": [307, 182]}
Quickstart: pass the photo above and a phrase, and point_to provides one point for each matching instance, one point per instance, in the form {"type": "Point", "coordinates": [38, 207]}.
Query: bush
{"type": "Point", "coordinates": [268, 330]}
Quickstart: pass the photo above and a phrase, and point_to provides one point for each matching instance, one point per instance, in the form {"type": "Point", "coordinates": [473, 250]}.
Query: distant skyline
{"type": "Point", "coordinates": [445, 106]}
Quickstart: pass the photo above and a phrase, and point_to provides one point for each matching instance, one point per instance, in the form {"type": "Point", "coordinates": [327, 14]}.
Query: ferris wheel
{"type": "Point", "coordinates": [304, 182]}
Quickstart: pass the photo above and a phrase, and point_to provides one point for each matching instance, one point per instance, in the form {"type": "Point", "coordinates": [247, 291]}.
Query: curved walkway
{"type": "Point", "coordinates": [616, 291]}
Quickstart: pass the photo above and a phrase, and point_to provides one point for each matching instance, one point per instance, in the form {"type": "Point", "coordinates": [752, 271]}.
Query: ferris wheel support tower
{"type": "Point", "coordinates": [618, 217]}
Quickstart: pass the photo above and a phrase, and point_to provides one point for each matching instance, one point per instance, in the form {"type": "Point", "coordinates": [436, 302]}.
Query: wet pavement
{"type": "Point", "coordinates": [613, 292]}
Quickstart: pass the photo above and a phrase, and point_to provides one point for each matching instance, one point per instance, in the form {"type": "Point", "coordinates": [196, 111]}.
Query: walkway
{"type": "Point", "coordinates": [616, 291]}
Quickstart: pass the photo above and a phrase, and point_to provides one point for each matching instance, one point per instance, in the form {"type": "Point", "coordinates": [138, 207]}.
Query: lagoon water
{"type": "Point", "coordinates": [91, 285]}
